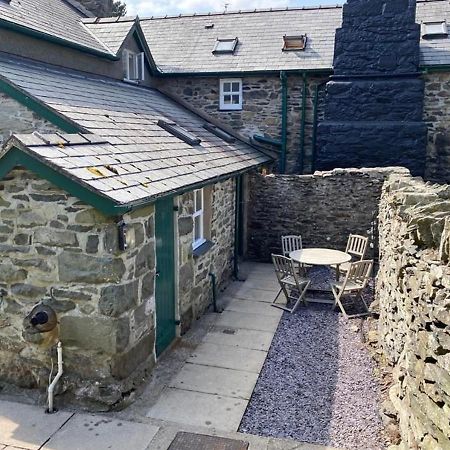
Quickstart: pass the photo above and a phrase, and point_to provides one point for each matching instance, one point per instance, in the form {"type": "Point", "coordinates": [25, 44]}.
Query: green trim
{"type": "Point", "coordinates": [16, 157]}
{"type": "Point", "coordinates": [303, 125]}
{"type": "Point", "coordinates": [55, 40]}
{"type": "Point", "coordinates": [284, 106]}
{"type": "Point", "coordinates": [431, 69]}
{"type": "Point", "coordinates": [139, 36]}
{"type": "Point", "coordinates": [267, 140]}
{"type": "Point", "coordinates": [245, 73]}
{"type": "Point", "coordinates": [314, 132]}
{"type": "Point", "coordinates": [39, 108]}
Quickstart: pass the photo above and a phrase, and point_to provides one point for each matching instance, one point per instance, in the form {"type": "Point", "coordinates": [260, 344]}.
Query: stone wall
{"type": "Point", "coordinates": [16, 118]}
{"type": "Point", "coordinates": [413, 295]}
{"type": "Point", "coordinates": [375, 96]}
{"type": "Point", "coordinates": [57, 249]}
{"type": "Point", "coordinates": [194, 282]}
{"type": "Point", "coordinates": [261, 112]}
{"type": "Point", "coordinates": [324, 208]}
{"type": "Point", "coordinates": [437, 117]}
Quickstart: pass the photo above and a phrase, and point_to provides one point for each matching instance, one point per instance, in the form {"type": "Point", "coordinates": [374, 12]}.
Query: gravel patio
{"type": "Point", "coordinates": [317, 383]}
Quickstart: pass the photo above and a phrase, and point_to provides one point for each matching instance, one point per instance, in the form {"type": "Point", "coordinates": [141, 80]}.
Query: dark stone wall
{"type": "Point", "coordinates": [374, 102]}
{"type": "Point", "coordinates": [324, 208]}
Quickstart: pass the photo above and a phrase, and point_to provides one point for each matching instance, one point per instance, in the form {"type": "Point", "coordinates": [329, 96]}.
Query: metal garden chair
{"type": "Point", "coordinates": [357, 277]}
{"type": "Point", "coordinates": [291, 283]}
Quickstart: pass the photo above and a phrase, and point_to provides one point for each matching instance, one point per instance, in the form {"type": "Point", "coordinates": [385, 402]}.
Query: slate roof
{"type": "Point", "coordinates": [131, 158]}
{"type": "Point", "coordinates": [111, 31]}
{"type": "Point", "coordinates": [54, 18]}
{"type": "Point", "coordinates": [182, 44]}
{"type": "Point", "coordinates": [434, 51]}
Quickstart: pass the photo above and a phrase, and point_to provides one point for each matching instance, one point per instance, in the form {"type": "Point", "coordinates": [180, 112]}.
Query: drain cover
{"type": "Point", "coordinates": [192, 441]}
{"type": "Point", "coordinates": [228, 331]}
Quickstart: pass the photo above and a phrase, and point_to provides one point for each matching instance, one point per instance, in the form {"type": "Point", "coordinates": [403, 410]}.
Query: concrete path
{"type": "Point", "coordinates": [202, 385]}
{"type": "Point", "coordinates": [213, 387]}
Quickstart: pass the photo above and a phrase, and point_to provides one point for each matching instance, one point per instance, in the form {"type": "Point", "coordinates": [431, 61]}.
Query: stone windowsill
{"type": "Point", "coordinates": [202, 249]}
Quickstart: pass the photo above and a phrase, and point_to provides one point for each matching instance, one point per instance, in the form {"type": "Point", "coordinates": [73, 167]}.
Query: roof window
{"type": "Point", "coordinates": [219, 133]}
{"type": "Point", "coordinates": [179, 132]}
{"type": "Point", "coordinates": [294, 43]}
{"type": "Point", "coordinates": [225, 45]}
{"type": "Point", "coordinates": [432, 30]}
{"type": "Point", "coordinates": [209, 26]}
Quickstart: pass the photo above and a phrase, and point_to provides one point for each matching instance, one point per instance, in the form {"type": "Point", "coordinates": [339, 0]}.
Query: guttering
{"type": "Point", "coordinates": [266, 140]}
{"type": "Point", "coordinates": [55, 40]}
{"type": "Point", "coordinates": [436, 68]}
{"type": "Point", "coordinates": [283, 78]}
{"type": "Point", "coordinates": [303, 125]}
{"type": "Point", "coordinates": [244, 73]}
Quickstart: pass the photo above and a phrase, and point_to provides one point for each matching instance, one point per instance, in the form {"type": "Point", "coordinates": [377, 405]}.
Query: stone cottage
{"type": "Point", "coordinates": [117, 204]}
{"type": "Point", "coordinates": [281, 81]}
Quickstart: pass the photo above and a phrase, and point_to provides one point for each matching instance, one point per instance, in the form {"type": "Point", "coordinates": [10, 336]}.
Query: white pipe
{"type": "Point", "coordinates": [51, 388]}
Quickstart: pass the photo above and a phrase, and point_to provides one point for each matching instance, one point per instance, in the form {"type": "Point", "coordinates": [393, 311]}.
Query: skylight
{"type": "Point", "coordinates": [434, 29]}
{"type": "Point", "coordinates": [225, 45]}
{"type": "Point", "coordinates": [179, 132]}
{"type": "Point", "coordinates": [219, 133]}
{"type": "Point", "coordinates": [294, 43]}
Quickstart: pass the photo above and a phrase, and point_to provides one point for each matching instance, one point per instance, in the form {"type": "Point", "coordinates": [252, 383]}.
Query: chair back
{"type": "Point", "coordinates": [283, 266]}
{"type": "Point", "coordinates": [291, 243]}
{"type": "Point", "coordinates": [357, 245]}
{"type": "Point", "coordinates": [359, 273]}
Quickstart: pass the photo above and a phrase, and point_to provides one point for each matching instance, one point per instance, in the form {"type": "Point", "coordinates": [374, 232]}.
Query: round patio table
{"type": "Point", "coordinates": [321, 257]}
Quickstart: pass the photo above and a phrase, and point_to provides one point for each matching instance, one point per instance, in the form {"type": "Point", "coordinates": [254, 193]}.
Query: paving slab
{"type": "Point", "coordinates": [238, 337]}
{"type": "Point", "coordinates": [247, 321]}
{"type": "Point", "coordinates": [215, 380]}
{"type": "Point", "coordinates": [263, 282]}
{"type": "Point", "coordinates": [195, 441]}
{"type": "Point", "coordinates": [199, 409]}
{"type": "Point", "coordinates": [228, 357]}
{"type": "Point", "coordinates": [243, 292]}
{"type": "Point", "coordinates": [248, 306]}
{"type": "Point", "coordinates": [96, 432]}
{"type": "Point", "coordinates": [28, 426]}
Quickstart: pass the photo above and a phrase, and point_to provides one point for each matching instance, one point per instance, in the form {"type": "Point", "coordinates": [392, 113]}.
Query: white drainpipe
{"type": "Point", "coordinates": [51, 388]}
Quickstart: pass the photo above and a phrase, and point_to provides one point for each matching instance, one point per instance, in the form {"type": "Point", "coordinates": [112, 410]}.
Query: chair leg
{"type": "Point", "coordinates": [337, 301]}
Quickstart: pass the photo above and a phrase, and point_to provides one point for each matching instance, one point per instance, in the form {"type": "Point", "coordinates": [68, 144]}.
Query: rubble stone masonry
{"type": "Point", "coordinates": [413, 292]}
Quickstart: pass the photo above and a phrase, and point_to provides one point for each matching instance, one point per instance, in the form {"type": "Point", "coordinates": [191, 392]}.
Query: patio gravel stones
{"type": "Point", "coordinates": [317, 384]}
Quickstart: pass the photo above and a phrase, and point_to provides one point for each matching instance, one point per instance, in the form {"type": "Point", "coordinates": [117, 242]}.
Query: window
{"type": "Point", "coordinates": [225, 45]}
{"type": "Point", "coordinates": [434, 29]}
{"type": "Point", "coordinates": [231, 94]}
{"type": "Point", "coordinates": [198, 216]}
{"type": "Point", "coordinates": [179, 132]}
{"type": "Point", "coordinates": [134, 65]}
{"type": "Point", "coordinates": [294, 43]}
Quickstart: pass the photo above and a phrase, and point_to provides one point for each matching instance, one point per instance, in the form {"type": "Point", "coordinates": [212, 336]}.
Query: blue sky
{"type": "Point", "coordinates": [146, 8]}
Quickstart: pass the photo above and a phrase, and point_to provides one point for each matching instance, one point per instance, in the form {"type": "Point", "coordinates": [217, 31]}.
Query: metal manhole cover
{"type": "Point", "coordinates": [192, 441]}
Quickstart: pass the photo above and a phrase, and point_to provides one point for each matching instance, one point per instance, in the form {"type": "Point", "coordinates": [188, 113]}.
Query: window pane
{"type": "Point", "coordinates": [197, 227]}
{"type": "Point", "coordinates": [235, 99]}
{"type": "Point", "coordinates": [235, 87]}
{"type": "Point", "coordinates": [227, 99]}
{"type": "Point", "coordinates": [198, 200]}
{"type": "Point", "coordinates": [226, 87]}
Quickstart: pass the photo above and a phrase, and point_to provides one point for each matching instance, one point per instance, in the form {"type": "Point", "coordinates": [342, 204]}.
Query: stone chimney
{"type": "Point", "coordinates": [100, 8]}
{"type": "Point", "coordinates": [374, 100]}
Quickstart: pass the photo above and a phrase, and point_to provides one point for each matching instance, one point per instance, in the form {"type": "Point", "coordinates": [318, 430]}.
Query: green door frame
{"type": "Point", "coordinates": [165, 274]}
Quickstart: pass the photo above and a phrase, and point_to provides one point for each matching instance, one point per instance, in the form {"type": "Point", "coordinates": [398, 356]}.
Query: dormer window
{"type": "Point", "coordinates": [433, 30]}
{"type": "Point", "coordinates": [294, 43]}
{"type": "Point", "coordinates": [225, 45]}
{"type": "Point", "coordinates": [134, 66]}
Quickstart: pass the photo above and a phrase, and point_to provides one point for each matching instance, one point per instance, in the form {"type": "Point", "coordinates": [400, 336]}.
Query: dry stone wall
{"type": "Point", "coordinates": [57, 249]}
{"type": "Point", "coordinates": [413, 294]}
{"type": "Point", "coordinates": [324, 208]}
{"type": "Point", "coordinates": [261, 112]}
{"type": "Point", "coordinates": [194, 281]}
